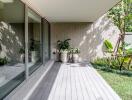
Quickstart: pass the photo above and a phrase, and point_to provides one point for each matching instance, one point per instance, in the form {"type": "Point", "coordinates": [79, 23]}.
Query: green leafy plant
{"type": "Point", "coordinates": [3, 61]}
{"type": "Point", "coordinates": [127, 48]}
{"type": "Point", "coordinates": [100, 62]}
{"type": "Point", "coordinates": [34, 45]}
{"type": "Point", "coordinates": [63, 45]}
{"type": "Point", "coordinates": [22, 51]}
{"type": "Point", "coordinates": [75, 50]}
{"type": "Point", "coordinates": [108, 45]}
{"type": "Point", "coordinates": [121, 15]}
{"type": "Point", "coordinates": [129, 51]}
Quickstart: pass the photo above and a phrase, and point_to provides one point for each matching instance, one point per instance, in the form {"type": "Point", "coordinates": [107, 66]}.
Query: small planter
{"type": "Point", "coordinates": [75, 54]}
{"type": "Point", "coordinates": [34, 56]}
{"type": "Point", "coordinates": [22, 58]}
{"type": "Point", "coordinates": [22, 55]}
{"type": "Point", "coordinates": [64, 56]}
{"type": "Point", "coordinates": [75, 58]}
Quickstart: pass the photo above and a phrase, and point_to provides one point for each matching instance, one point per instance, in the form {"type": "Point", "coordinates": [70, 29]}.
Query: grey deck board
{"type": "Point", "coordinates": [73, 82]}
{"type": "Point", "coordinates": [43, 90]}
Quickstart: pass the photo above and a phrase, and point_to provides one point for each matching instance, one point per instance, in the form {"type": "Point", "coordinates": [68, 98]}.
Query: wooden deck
{"type": "Point", "coordinates": [73, 82]}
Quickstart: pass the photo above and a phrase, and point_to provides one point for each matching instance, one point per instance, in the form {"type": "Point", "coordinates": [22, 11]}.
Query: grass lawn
{"type": "Point", "coordinates": [120, 83]}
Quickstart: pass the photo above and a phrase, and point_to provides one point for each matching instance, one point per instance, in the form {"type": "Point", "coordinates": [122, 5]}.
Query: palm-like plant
{"type": "Point", "coordinates": [108, 45]}
{"type": "Point", "coordinates": [123, 57]}
{"type": "Point", "coordinates": [63, 45]}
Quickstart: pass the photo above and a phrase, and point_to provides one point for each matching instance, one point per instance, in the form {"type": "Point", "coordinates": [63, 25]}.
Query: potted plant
{"type": "Point", "coordinates": [22, 53]}
{"type": "Point", "coordinates": [75, 56]}
{"type": "Point", "coordinates": [64, 55]}
{"type": "Point", "coordinates": [34, 50]}
{"type": "Point", "coordinates": [63, 47]}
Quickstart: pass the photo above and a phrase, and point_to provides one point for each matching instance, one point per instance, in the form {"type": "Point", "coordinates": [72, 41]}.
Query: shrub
{"type": "Point", "coordinates": [100, 62]}
{"type": "Point", "coordinates": [114, 63]}
{"type": "Point", "coordinates": [110, 65]}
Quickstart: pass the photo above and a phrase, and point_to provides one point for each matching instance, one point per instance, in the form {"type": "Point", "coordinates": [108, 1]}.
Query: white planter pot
{"type": "Point", "coordinates": [64, 56]}
{"type": "Point", "coordinates": [34, 56]}
{"type": "Point", "coordinates": [22, 58]}
{"type": "Point", "coordinates": [75, 58]}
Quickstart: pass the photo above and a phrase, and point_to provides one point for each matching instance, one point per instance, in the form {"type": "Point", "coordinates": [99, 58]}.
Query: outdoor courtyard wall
{"type": "Point", "coordinates": [11, 40]}
{"type": "Point", "coordinates": [89, 37]}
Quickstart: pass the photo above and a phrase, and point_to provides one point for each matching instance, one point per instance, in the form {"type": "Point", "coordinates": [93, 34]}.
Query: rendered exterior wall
{"type": "Point", "coordinates": [89, 37]}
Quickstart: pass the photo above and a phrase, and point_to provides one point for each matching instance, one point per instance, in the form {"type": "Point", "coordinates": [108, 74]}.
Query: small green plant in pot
{"type": "Point", "coordinates": [22, 54]}
{"type": "Point", "coordinates": [34, 50]}
{"type": "Point", "coordinates": [75, 54]}
{"type": "Point", "coordinates": [63, 47]}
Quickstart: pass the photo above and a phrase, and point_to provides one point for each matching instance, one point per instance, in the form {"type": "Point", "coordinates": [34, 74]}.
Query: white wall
{"type": "Point", "coordinates": [88, 37]}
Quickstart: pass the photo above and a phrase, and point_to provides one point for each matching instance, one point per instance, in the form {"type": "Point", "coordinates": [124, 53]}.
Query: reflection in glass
{"type": "Point", "coordinates": [11, 45]}
{"type": "Point", "coordinates": [34, 40]}
{"type": "Point", "coordinates": [46, 41]}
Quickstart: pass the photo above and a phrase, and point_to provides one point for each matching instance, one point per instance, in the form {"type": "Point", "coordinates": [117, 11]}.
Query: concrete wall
{"type": "Point", "coordinates": [88, 37]}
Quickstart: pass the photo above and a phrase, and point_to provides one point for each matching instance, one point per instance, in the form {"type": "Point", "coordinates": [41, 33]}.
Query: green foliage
{"type": "Point", "coordinates": [22, 51]}
{"type": "Point", "coordinates": [3, 61]}
{"type": "Point", "coordinates": [100, 62]}
{"type": "Point", "coordinates": [121, 15]}
{"type": "Point", "coordinates": [34, 45]}
{"type": "Point", "coordinates": [75, 50]}
{"type": "Point", "coordinates": [114, 63]}
{"type": "Point", "coordinates": [129, 51]}
{"type": "Point", "coordinates": [108, 45]}
{"type": "Point", "coordinates": [125, 49]}
{"type": "Point", "coordinates": [63, 45]}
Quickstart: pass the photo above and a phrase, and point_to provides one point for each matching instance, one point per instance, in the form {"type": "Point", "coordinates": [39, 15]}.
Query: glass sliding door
{"type": "Point", "coordinates": [12, 47]}
{"type": "Point", "coordinates": [34, 41]}
{"type": "Point", "coordinates": [14, 58]}
{"type": "Point", "coordinates": [46, 37]}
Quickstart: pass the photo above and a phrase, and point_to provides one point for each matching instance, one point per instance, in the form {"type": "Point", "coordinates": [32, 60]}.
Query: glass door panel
{"type": "Point", "coordinates": [34, 40]}
{"type": "Point", "coordinates": [12, 45]}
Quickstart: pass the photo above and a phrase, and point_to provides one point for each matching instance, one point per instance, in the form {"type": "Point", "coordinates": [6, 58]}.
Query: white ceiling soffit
{"type": "Point", "coordinates": [72, 10]}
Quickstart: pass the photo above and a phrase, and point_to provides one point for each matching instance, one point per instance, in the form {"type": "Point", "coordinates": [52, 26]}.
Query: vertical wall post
{"type": "Point", "coordinates": [42, 37]}
{"type": "Point", "coordinates": [26, 43]}
{"type": "Point", "coordinates": [49, 36]}
{"type": "Point", "coordinates": [41, 42]}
